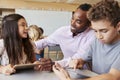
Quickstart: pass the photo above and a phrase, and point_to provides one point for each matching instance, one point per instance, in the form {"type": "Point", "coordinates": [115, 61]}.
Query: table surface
{"type": "Point", "coordinates": [30, 75]}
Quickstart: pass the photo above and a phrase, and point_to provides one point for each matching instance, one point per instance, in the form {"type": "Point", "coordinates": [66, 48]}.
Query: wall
{"type": "Point", "coordinates": [48, 20]}
{"type": "Point", "coordinates": [60, 11]}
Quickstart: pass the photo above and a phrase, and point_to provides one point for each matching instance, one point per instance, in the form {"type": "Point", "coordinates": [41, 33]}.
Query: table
{"type": "Point", "coordinates": [45, 75]}
{"type": "Point", "coordinates": [30, 75]}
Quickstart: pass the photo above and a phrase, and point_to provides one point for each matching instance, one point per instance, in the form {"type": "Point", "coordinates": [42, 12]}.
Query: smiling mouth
{"type": "Point", "coordinates": [72, 28]}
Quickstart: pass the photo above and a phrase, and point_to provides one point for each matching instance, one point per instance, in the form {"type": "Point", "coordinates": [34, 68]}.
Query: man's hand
{"type": "Point", "coordinates": [44, 64]}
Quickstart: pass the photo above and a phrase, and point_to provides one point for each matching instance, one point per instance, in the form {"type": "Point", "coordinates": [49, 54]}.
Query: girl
{"type": "Point", "coordinates": [15, 46]}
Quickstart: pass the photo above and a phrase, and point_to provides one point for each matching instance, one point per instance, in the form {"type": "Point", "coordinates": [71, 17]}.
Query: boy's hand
{"type": "Point", "coordinates": [76, 63]}
{"type": "Point", "coordinates": [60, 72]}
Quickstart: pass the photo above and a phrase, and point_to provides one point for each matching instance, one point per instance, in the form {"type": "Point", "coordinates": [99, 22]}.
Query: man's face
{"type": "Point", "coordinates": [105, 32]}
{"type": "Point", "coordinates": [79, 21]}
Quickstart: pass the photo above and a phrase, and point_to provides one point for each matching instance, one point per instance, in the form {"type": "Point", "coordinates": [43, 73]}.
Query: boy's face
{"type": "Point", "coordinates": [105, 32]}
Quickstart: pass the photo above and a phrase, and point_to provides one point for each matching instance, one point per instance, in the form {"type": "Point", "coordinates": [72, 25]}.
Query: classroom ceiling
{"type": "Point", "coordinates": [65, 1]}
{"type": "Point", "coordinates": [69, 1]}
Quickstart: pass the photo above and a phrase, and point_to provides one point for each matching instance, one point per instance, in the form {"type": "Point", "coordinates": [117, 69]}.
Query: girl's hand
{"type": "Point", "coordinates": [60, 72]}
{"type": "Point", "coordinates": [7, 69]}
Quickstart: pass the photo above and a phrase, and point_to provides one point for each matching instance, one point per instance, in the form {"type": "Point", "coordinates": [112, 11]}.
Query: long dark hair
{"type": "Point", "coordinates": [13, 43]}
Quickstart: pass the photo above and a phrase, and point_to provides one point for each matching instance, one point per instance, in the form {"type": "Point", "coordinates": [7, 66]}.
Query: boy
{"type": "Point", "coordinates": [104, 51]}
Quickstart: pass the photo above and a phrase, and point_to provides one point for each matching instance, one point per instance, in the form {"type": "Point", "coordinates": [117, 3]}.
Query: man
{"type": "Point", "coordinates": [71, 38]}
{"type": "Point", "coordinates": [105, 50]}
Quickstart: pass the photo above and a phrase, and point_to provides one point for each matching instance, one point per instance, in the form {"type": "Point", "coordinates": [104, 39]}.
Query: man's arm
{"type": "Point", "coordinates": [50, 40]}
{"type": "Point", "coordinates": [112, 75]}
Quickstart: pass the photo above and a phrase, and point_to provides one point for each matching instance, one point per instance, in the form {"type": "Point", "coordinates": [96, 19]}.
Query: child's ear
{"type": "Point", "coordinates": [118, 26]}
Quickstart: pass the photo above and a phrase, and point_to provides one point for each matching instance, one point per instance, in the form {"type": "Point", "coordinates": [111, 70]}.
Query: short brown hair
{"type": "Point", "coordinates": [105, 9]}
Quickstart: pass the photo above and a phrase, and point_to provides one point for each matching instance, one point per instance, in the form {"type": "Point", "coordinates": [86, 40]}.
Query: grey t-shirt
{"type": "Point", "coordinates": [103, 56]}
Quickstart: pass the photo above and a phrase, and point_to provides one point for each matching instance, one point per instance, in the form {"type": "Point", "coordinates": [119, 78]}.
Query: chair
{"type": "Point", "coordinates": [56, 49]}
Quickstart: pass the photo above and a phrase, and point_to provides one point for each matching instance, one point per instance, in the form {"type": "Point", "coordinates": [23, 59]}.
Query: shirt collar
{"type": "Point", "coordinates": [82, 33]}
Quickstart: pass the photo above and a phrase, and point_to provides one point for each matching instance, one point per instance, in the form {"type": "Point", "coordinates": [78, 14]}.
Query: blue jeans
{"type": "Point", "coordinates": [41, 55]}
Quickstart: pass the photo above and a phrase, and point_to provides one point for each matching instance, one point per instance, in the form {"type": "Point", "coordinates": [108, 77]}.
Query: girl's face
{"type": "Point", "coordinates": [22, 28]}
{"type": "Point", "coordinates": [105, 32]}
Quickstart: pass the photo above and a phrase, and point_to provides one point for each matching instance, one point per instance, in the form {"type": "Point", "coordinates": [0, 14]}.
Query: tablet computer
{"type": "Point", "coordinates": [86, 73]}
{"type": "Point", "coordinates": [24, 66]}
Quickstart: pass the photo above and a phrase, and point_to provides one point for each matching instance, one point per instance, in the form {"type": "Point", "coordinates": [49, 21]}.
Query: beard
{"type": "Point", "coordinates": [76, 31]}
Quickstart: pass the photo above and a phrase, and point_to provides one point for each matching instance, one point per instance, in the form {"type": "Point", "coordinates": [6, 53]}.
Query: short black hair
{"type": "Point", "coordinates": [84, 7]}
